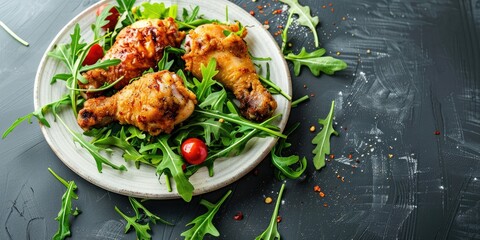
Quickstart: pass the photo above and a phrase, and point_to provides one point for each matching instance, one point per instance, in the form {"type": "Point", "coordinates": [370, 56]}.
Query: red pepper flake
{"type": "Point", "coordinates": [260, 7]}
{"type": "Point", "coordinates": [317, 188]}
{"type": "Point", "coordinates": [252, 13]}
{"type": "Point", "coordinates": [279, 219]}
{"type": "Point", "coordinates": [331, 156]}
{"type": "Point", "coordinates": [266, 22]}
{"type": "Point", "coordinates": [238, 216]}
{"type": "Point", "coordinates": [333, 10]}
{"type": "Point", "coordinates": [343, 179]}
{"type": "Point", "coordinates": [280, 26]}
{"type": "Point", "coordinates": [330, 4]}
{"type": "Point", "coordinates": [350, 156]}
{"type": "Point", "coordinates": [338, 176]}
{"type": "Point", "coordinates": [324, 6]}
{"type": "Point", "coordinates": [436, 132]}
{"type": "Point", "coordinates": [325, 205]}
{"type": "Point", "coordinates": [322, 194]}
{"type": "Point", "coordinates": [278, 11]}
{"type": "Point", "coordinates": [312, 95]}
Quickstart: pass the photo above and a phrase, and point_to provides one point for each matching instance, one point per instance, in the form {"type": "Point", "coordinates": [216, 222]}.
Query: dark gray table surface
{"type": "Point", "coordinates": [413, 69]}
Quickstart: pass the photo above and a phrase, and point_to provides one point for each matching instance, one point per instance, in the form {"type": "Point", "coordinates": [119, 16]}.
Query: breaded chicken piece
{"type": "Point", "coordinates": [155, 103]}
{"type": "Point", "coordinates": [139, 47]}
{"type": "Point", "coordinates": [236, 69]}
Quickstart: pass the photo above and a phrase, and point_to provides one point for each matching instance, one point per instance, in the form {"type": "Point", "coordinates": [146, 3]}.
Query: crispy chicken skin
{"type": "Point", "coordinates": [139, 47]}
{"type": "Point", "coordinates": [155, 103]}
{"type": "Point", "coordinates": [236, 69]}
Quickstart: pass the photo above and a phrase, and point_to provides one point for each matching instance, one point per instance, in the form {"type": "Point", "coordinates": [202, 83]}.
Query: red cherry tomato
{"type": "Point", "coordinates": [95, 53]}
{"type": "Point", "coordinates": [194, 151]}
{"type": "Point", "coordinates": [112, 18]}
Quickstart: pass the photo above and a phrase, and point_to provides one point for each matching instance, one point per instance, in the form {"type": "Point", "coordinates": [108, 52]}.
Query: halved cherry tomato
{"type": "Point", "coordinates": [95, 53]}
{"type": "Point", "coordinates": [194, 151]}
{"type": "Point", "coordinates": [112, 18]}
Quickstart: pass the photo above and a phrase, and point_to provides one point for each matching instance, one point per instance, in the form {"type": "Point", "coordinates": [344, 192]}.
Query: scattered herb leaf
{"type": "Point", "coordinates": [322, 139]}
{"type": "Point", "coordinates": [316, 62]}
{"type": "Point", "coordinates": [304, 17]}
{"type": "Point", "coordinates": [291, 166]}
{"type": "Point", "coordinates": [141, 230]}
{"type": "Point", "coordinates": [203, 223]}
{"type": "Point", "coordinates": [271, 233]}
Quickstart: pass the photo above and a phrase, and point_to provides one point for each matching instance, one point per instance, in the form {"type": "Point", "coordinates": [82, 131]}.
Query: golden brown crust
{"type": "Point", "coordinates": [154, 103]}
{"type": "Point", "coordinates": [139, 47]}
{"type": "Point", "coordinates": [236, 69]}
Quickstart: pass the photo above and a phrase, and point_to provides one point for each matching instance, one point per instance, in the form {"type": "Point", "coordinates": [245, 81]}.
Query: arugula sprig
{"type": "Point", "coordinates": [316, 62]}
{"type": "Point", "coordinates": [289, 166]}
{"type": "Point", "coordinates": [66, 210]}
{"type": "Point", "coordinates": [322, 139]}
{"type": "Point", "coordinates": [271, 233]}
{"type": "Point", "coordinates": [304, 17]}
{"type": "Point", "coordinates": [203, 224]}
{"type": "Point", "coordinates": [140, 222]}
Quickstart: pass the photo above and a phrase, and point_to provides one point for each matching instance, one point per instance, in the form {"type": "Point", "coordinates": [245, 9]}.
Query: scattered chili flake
{"type": "Point", "coordinates": [330, 4]}
{"type": "Point", "coordinates": [343, 179]}
{"type": "Point", "coordinates": [357, 160]}
{"type": "Point", "coordinates": [436, 132]}
{"type": "Point", "coordinates": [324, 6]}
{"type": "Point", "coordinates": [322, 194]}
{"type": "Point", "coordinates": [260, 7]}
{"type": "Point", "coordinates": [278, 11]}
{"type": "Point", "coordinates": [312, 128]}
{"type": "Point", "coordinates": [338, 176]}
{"type": "Point", "coordinates": [331, 156]}
{"type": "Point", "coordinates": [238, 216]}
{"type": "Point", "coordinates": [333, 10]}
{"type": "Point", "coordinates": [279, 219]}
{"type": "Point", "coordinates": [304, 85]}
{"type": "Point", "coordinates": [266, 22]}
{"type": "Point", "coordinates": [325, 205]}
{"type": "Point", "coordinates": [312, 95]}
{"type": "Point", "coordinates": [268, 200]}
{"type": "Point", "coordinates": [252, 13]}
{"type": "Point", "coordinates": [317, 188]}
{"type": "Point", "coordinates": [350, 156]}
{"type": "Point", "coordinates": [280, 26]}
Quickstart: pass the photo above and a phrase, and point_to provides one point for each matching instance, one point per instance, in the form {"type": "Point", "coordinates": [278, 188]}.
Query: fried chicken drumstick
{"type": "Point", "coordinates": [236, 69]}
{"type": "Point", "coordinates": [155, 103]}
{"type": "Point", "coordinates": [139, 47]}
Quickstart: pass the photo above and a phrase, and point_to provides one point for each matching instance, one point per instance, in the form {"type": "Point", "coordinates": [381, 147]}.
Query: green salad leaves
{"type": "Point", "coordinates": [203, 224]}
{"type": "Point", "coordinates": [322, 139]}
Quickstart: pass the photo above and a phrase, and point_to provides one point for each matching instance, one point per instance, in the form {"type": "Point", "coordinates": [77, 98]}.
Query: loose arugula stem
{"type": "Point", "coordinates": [271, 232]}
{"type": "Point", "coordinates": [240, 122]}
{"type": "Point", "coordinates": [92, 149]}
{"type": "Point", "coordinates": [9, 31]}
{"type": "Point", "coordinates": [285, 31]}
{"type": "Point", "coordinates": [274, 86]}
{"type": "Point", "coordinates": [300, 100]}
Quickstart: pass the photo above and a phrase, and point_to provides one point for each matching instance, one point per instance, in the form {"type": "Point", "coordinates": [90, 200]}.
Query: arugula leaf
{"type": "Point", "coordinates": [315, 62]}
{"type": "Point", "coordinates": [171, 165]}
{"type": "Point", "coordinates": [234, 118]}
{"type": "Point", "coordinates": [125, 7]}
{"type": "Point", "coordinates": [203, 88]}
{"type": "Point", "coordinates": [285, 31]}
{"type": "Point", "coordinates": [92, 149]}
{"type": "Point", "coordinates": [39, 114]}
{"type": "Point", "coordinates": [285, 164]}
{"type": "Point", "coordinates": [203, 223]}
{"type": "Point", "coordinates": [273, 88]}
{"type": "Point", "coordinates": [155, 11]}
{"type": "Point", "coordinates": [66, 210]}
{"type": "Point", "coordinates": [322, 139]}
{"type": "Point", "coordinates": [141, 230]}
{"type": "Point", "coordinates": [152, 217]}
{"type": "Point", "coordinates": [271, 233]}
{"type": "Point", "coordinates": [304, 17]}
{"type": "Point", "coordinates": [100, 21]}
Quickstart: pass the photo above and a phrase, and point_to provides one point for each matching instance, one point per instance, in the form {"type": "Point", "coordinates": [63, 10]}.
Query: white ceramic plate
{"type": "Point", "coordinates": [143, 182]}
